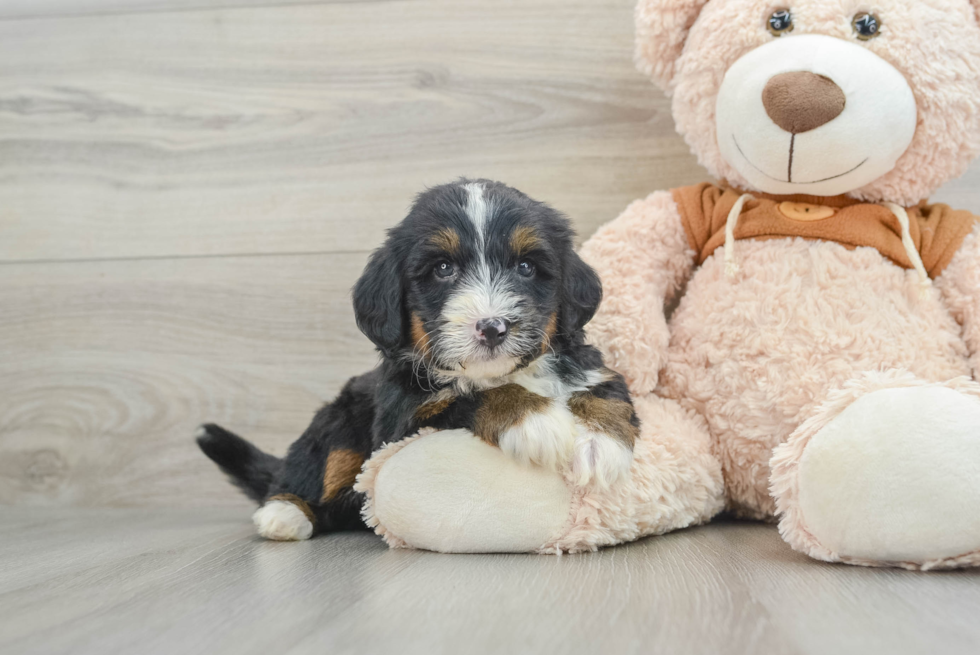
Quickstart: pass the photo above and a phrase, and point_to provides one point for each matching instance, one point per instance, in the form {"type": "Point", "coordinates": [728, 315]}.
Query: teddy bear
{"type": "Point", "coordinates": [802, 337]}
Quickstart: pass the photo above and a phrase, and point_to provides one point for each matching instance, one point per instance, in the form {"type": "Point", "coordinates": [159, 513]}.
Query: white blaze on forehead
{"type": "Point", "coordinates": [480, 294]}
{"type": "Point", "coordinates": [477, 208]}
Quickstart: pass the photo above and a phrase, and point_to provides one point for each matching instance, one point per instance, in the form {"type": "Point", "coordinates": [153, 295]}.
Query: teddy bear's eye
{"type": "Point", "coordinates": [866, 26]}
{"type": "Point", "coordinates": [781, 22]}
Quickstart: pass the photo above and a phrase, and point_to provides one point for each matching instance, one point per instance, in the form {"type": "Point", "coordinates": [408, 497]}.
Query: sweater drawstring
{"type": "Point", "coordinates": [913, 253]}
{"type": "Point", "coordinates": [731, 262]}
{"type": "Point", "coordinates": [732, 266]}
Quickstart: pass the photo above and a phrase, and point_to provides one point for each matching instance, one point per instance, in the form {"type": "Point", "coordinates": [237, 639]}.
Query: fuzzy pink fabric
{"type": "Point", "coordinates": [960, 286]}
{"type": "Point", "coordinates": [757, 356]}
{"type": "Point", "coordinates": [934, 43]}
{"type": "Point", "coordinates": [675, 483]}
{"type": "Point", "coordinates": [643, 257]}
{"type": "Point", "coordinates": [786, 459]}
{"type": "Point", "coordinates": [661, 30]}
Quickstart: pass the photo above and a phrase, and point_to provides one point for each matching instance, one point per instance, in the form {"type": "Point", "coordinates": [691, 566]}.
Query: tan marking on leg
{"type": "Point", "coordinates": [612, 417]}
{"type": "Point", "coordinates": [420, 338]}
{"type": "Point", "coordinates": [549, 333]}
{"type": "Point", "coordinates": [504, 407]}
{"type": "Point", "coordinates": [446, 239]}
{"type": "Point", "coordinates": [299, 502]}
{"type": "Point", "coordinates": [523, 240]}
{"type": "Point", "coordinates": [342, 467]}
{"type": "Point", "coordinates": [434, 408]}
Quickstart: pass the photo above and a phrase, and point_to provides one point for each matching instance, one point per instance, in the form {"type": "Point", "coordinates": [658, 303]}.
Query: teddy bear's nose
{"type": "Point", "coordinates": [802, 101]}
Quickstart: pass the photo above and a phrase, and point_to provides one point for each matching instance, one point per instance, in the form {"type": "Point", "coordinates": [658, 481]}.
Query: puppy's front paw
{"type": "Point", "coordinates": [282, 520]}
{"type": "Point", "coordinates": [600, 459]}
{"type": "Point", "coordinates": [545, 438]}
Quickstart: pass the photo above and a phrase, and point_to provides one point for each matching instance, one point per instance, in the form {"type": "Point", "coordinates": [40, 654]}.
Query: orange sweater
{"type": "Point", "coordinates": [937, 230]}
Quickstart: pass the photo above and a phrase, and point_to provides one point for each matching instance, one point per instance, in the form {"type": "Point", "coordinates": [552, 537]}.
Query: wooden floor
{"type": "Point", "coordinates": [188, 190]}
{"type": "Point", "coordinates": [101, 582]}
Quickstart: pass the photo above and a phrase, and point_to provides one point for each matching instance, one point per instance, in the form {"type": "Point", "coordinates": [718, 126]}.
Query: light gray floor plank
{"type": "Point", "coordinates": [127, 581]}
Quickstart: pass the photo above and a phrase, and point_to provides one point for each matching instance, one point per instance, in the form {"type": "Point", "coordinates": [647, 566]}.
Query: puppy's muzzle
{"type": "Point", "coordinates": [491, 332]}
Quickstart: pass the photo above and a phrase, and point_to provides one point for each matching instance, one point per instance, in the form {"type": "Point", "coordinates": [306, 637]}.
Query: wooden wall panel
{"type": "Point", "coordinates": [106, 369]}
{"type": "Point", "coordinates": [309, 128]}
{"type": "Point", "coordinates": [189, 188]}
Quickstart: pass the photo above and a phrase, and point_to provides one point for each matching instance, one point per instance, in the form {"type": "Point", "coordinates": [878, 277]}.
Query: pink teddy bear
{"type": "Point", "coordinates": [802, 338]}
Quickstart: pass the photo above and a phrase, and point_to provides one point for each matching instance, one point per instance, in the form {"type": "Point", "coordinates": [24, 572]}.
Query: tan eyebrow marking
{"type": "Point", "coordinates": [524, 239]}
{"type": "Point", "coordinates": [447, 239]}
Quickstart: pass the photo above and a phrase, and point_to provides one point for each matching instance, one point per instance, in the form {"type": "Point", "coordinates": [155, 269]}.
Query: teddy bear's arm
{"type": "Point", "coordinates": [643, 258]}
{"type": "Point", "coordinates": [960, 287]}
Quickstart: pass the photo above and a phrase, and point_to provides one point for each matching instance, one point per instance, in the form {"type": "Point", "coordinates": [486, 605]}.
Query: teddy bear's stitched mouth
{"type": "Point", "coordinates": [790, 181]}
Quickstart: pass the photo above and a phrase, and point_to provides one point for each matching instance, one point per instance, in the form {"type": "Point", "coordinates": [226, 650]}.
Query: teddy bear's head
{"type": "Point", "coordinates": [877, 100]}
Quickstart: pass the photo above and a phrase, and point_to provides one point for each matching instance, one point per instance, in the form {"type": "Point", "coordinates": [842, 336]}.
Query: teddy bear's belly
{"type": "Point", "coordinates": [756, 355]}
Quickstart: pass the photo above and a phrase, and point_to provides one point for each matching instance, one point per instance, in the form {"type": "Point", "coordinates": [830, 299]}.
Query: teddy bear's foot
{"type": "Point", "coordinates": [449, 491]}
{"type": "Point", "coordinates": [886, 474]}
{"type": "Point", "coordinates": [452, 492]}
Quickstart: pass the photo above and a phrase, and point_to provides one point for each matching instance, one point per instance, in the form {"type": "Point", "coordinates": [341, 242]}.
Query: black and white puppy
{"type": "Point", "coordinates": [477, 303]}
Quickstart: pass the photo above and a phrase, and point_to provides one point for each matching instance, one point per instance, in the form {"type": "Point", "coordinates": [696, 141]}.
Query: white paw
{"type": "Point", "coordinates": [546, 439]}
{"type": "Point", "coordinates": [599, 458]}
{"type": "Point", "coordinates": [282, 521]}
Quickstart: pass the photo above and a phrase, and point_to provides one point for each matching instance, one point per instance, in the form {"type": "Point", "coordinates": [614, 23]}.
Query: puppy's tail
{"type": "Point", "coordinates": [248, 468]}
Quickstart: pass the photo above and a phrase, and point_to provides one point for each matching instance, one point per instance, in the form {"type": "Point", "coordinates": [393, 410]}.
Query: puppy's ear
{"type": "Point", "coordinates": [661, 31]}
{"type": "Point", "coordinates": [378, 301]}
{"type": "Point", "coordinates": [581, 294]}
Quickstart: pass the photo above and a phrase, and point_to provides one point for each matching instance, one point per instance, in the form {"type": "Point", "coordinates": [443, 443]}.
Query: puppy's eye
{"type": "Point", "coordinates": [781, 22]}
{"type": "Point", "coordinates": [445, 269]}
{"type": "Point", "coordinates": [866, 26]}
{"type": "Point", "coordinates": [525, 269]}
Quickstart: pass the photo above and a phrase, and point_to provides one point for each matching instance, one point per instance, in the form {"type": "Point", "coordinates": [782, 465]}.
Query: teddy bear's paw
{"type": "Point", "coordinates": [281, 520]}
{"type": "Point", "coordinates": [599, 459]}
{"type": "Point", "coordinates": [891, 478]}
{"type": "Point", "coordinates": [545, 439]}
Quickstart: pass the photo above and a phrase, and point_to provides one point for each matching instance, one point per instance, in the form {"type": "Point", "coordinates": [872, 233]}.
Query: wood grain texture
{"type": "Point", "coordinates": [309, 128]}
{"type": "Point", "coordinates": [31, 9]}
{"type": "Point", "coordinates": [189, 188]}
{"type": "Point", "coordinates": [127, 581]}
{"type": "Point", "coordinates": [106, 369]}
{"type": "Point", "coordinates": [963, 193]}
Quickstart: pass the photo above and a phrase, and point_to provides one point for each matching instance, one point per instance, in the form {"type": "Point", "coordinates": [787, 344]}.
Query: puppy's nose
{"type": "Point", "coordinates": [491, 331]}
{"type": "Point", "coordinates": [801, 101]}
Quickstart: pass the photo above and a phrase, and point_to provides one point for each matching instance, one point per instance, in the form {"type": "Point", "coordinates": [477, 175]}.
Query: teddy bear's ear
{"type": "Point", "coordinates": [661, 30]}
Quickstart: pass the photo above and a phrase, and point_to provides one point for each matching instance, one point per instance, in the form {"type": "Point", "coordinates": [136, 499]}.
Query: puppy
{"type": "Point", "coordinates": [477, 303]}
